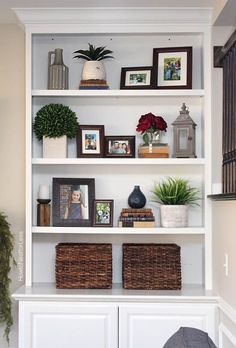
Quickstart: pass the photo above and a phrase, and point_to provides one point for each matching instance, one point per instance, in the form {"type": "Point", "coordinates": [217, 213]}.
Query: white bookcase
{"type": "Point", "coordinates": [131, 34]}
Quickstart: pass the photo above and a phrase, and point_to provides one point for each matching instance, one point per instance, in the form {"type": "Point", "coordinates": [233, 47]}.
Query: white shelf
{"type": "Point", "coordinates": [48, 291]}
{"type": "Point", "coordinates": [123, 161]}
{"type": "Point", "coordinates": [119, 93]}
{"type": "Point", "coordinates": [119, 230]}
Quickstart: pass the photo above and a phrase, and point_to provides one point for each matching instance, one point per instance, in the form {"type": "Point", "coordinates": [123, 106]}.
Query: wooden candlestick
{"type": "Point", "coordinates": [43, 212]}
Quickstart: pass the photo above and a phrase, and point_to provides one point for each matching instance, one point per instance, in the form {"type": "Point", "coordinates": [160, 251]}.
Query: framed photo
{"type": "Point", "coordinates": [103, 213]}
{"type": "Point", "coordinates": [172, 67]}
{"type": "Point", "coordinates": [73, 201]}
{"type": "Point", "coordinates": [90, 141]}
{"type": "Point", "coordinates": [120, 146]}
{"type": "Point", "coordinates": [136, 78]}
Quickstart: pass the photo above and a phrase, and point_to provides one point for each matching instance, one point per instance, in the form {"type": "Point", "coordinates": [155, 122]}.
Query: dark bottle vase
{"type": "Point", "coordinates": [136, 199]}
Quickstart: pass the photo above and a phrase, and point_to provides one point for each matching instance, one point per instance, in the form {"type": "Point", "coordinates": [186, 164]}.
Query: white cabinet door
{"type": "Point", "coordinates": [149, 326]}
{"type": "Point", "coordinates": [68, 325]}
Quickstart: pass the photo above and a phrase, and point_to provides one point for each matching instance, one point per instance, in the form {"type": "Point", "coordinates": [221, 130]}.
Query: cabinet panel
{"type": "Point", "coordinates": [150, 326]}
{"type": "Point", "coordinates": [60, 325]}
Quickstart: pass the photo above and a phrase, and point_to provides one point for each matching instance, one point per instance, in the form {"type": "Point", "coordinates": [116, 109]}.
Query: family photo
{"type": "Point", "coordinates": [172, 69]}
{"type": "Point", "coordinates": [119, 147]}
{"type": "Point", "coordinates": [90, 141]}
{"type": "Point", "coordinates": [73, 202]}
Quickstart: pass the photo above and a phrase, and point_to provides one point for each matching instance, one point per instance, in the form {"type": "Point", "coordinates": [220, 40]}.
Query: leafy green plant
{"type": "Point", "coordinates": [94, 53]}
{"type": "Point", "coordinates": [175, 191]}
{"type": "Point", "coordinates": [6, 259]}
{"type": "Point", "coordinates": [54, 121]}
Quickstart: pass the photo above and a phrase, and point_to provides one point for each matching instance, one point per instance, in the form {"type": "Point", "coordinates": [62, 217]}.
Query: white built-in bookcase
{"type": "Point", "coordinates": [131, 34]}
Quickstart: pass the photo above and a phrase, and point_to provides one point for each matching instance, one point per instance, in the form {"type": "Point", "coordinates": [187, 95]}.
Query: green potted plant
{"type": "Point", "coordinates": [174, 195]}
{"type": "Point", "coordinates": [93, 68]}
{"type": "Point", "coordinates": [54, 123]}
{"type": "Point", "coordinates": [6, 259]}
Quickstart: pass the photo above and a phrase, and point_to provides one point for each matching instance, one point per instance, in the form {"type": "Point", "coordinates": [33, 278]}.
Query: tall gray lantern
{"type": "Point", "coordinates": [184, 135]}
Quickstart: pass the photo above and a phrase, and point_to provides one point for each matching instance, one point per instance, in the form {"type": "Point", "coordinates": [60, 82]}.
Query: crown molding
{"type": "Point", "coordinates": [113, 15]}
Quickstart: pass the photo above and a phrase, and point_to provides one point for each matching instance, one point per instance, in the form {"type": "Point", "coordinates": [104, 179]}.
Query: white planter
{"type": "Point", "coordinates": [174, 215]}
{"type": "Point", "coordinates": [93, 70]}
{"type": "Point", "coordinates": [55, 147]}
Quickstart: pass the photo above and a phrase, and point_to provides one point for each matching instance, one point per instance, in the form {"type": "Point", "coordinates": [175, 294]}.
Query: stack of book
{"type": "Point", "coordinates": [93, 84]}
{"type": "Point", "coordinates": [130, 217]}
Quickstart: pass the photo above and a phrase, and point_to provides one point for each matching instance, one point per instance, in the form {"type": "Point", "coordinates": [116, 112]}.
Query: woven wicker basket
{"type": "Point", "coordinates": [151, 266]}
{"type": "Point", "coordinates": [83, 266]}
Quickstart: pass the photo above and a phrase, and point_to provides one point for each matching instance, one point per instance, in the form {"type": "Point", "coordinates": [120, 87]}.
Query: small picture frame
{"type": "Point", "coordinates": [73, 201]}
{"type": "Point", "coordinates": [90, 141]}
{"type": "Point", "coordinates": [120, 146]}
{"type": "Point", "coordinates": [172, 68]}
{"type": "Point", "coordinates": [136, 78]}
{"type": "Point", "coordinates": [103, 213]}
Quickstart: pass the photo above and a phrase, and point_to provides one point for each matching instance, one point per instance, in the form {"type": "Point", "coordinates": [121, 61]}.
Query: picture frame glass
{"type": "Point", "coordinates": [138, 78]}
{"type": "Point", "coordinates": [118, 147]}
{"type": "Point", "coordinates": [103, 213]}
{"type": "Point", "coordinates": [74, 202]}
{"type": "Point", "coordinates": [172, 69]}
{"type": "Point", "coordinates": [91, 141]}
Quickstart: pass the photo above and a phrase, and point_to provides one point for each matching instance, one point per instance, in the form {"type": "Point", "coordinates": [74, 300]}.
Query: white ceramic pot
{"type": "Point", "coordinates": [174, 215]}
{"type": "Point", "coordinates": [93, 70]}
{"type": "Point", "coordinates": [55, 147]}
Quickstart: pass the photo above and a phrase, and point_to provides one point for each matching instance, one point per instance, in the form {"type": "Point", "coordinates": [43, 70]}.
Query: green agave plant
{"type": "Point", "coordinates": [6, 259]}
{"type": "Point", "coordinates": [175, 191]}
{"type": "Point", "coordinates": [54, 121]}
{"type": "Point", "coordinates": [94, 53]}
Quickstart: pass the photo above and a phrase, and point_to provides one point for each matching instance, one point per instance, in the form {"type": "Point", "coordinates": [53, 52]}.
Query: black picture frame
{"type": "Point", "coordinates": [120, 146]}
{"type": "Point", "coordinates": [136, 77]}
{"type": "Point", "coordinates": [90, 141]}
{"type": "Point", "coordinates": [103, 212]}
{"type": "Point", "coordinates": [67, 213]}
{"type": "Point", "coordinates": [172, 68]}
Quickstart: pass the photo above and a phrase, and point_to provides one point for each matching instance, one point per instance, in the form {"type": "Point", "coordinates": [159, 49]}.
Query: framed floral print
{"type": "Point", "coordinates": [103, 213]}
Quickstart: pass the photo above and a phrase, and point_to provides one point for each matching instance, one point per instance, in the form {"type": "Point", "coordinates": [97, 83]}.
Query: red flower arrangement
{"type": "Point", "coordinates": [150, 124]}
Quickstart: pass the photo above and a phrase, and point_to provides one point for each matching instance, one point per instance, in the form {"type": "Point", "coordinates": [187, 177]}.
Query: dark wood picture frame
{"type": "Point", "coordinates": [103, 212]}
{"type": "Point", "coordinates": [67, 213]}
{"type": "Point", "coordinates": [136, 77]}
{"type": "Point", "coordinates": [169, 62]}
{"type": "Point", "coordinates": [90, 141]}
{"type": "Point", "coordinates": [115, 146]}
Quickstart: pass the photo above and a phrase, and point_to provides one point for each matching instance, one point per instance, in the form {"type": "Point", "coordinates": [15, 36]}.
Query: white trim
{"type": "Point", "coordinates": [28, 156]}
{"type": "Point", "coordinates": [189, 294]}
{"type": "Point", "coordinates": [120, 161]}
{"type": "Point", "coordinates": [207, 145]}
{"type": "Point", "coordinates": [119, 230]}
{"type": "Point", "coordinates": [114, 15]}
{"type": "Point", "coordinates": [224, 331]}
{"type": "Point", "coordinates": [118, 93]}
{"type": "Point", "coordinates": [228, 310]}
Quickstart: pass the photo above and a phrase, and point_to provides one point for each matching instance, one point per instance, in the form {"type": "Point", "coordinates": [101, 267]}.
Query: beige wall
{"type": "Point", "coordinates": [12, 145]}
{"type": "Point", "coordinates": [224, 213]}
